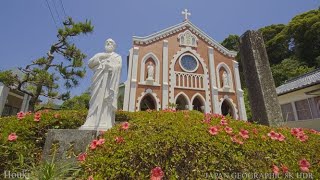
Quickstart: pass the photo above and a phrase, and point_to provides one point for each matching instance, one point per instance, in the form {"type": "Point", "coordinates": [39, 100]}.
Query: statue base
{"type": "Point", "coordinates": [66, 144]}
{"type": "Point", "coordinates": [149, 81]}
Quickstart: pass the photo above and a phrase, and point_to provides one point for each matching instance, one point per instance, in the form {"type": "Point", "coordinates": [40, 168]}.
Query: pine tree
{"type": "Point", "coordinates": [64, 61]}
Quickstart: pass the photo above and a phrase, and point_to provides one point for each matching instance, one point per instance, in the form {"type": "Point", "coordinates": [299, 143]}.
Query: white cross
{"type": "Point", "coordinates": [186, 14]}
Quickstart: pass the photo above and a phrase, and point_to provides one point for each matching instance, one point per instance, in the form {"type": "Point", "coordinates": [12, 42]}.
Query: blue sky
{"type": "Point", "coordinates": [27, 28]}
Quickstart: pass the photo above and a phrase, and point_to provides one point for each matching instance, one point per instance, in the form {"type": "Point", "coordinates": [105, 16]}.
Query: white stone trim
{"type": "Point", "coordinates": [154, 96]}
{"type": "Point", "coordinates": [4, 91]}
{"type": "Point", "coordinates": [126, 100]}
{"type": "Point", "coordinates": [15, 95]}
{"type": "Point", "coordinates": [188, 100]}
{"type": "Point", "coordinates": [133, 81]}
{"type": "Point", "coordinates": [157, 68]}
{"type": "Point", "coordinates": [185, 54]}
{"type": "Point", "coordinates": [230, 74]}
{"type": "Point", "coordinates": [233, 105]}
{"type": "Point", "coordinates": [172, 77]}
{"type": "Point", "coordinates": [176, 28]}
{"type": "Point", "coordinates": [202, 99]}
{"type": "Point", "coordinates": [165, 73]}
{"type": "Point", "coordinates": [240, 98]}
{"type": "Point", "coordinates": [182, 39]}
{"type": "Point", "coordinates": [213, 82]}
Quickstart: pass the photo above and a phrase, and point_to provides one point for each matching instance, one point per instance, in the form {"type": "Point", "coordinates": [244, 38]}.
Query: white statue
{"type": "Point", "coordinates": [104, 88]}
{"type": "Point", "coordinates": [225, 79]}
{"type": "Point", "coordinates": [150, 69]}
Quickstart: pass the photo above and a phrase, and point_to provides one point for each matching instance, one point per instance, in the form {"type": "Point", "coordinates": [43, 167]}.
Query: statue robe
{"type": "Point", "coordinates": [104, 91]}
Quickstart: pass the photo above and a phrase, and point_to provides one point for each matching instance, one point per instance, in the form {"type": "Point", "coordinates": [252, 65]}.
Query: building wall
{"type": "Point", "coordinates": [313, 105]}
{"type": "Point", "coordinates": [202, 49]}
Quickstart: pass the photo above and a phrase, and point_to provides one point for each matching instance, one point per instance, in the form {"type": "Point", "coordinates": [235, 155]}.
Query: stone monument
{"type": "Point", "coordinates": [150, 72]}
{"type": "Point", "coordinates": [104, 88]}
{"type": "Point", "coordinates": [262, 92]}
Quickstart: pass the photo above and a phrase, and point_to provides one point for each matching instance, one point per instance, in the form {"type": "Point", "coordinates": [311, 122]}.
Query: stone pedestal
{"type": "Point", "coordinates": [66, 144]}
{"type": "Point", "coordinates": [262, 92]}
{"type": "Point", "coordinates": [149, 81]}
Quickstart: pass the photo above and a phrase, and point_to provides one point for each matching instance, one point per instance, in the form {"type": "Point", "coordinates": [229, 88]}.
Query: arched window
{"type": "Point", "coordinates": [147, 102]}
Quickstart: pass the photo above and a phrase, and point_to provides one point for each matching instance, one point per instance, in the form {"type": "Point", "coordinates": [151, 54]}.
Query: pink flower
{"type": "Point", "coordinates": [57, 116]}
{"type": "Point", "coordinates": [314, 131]}
{"type": "Point", "coordinates": [284, 168]}
{"type": "Point", "coordinates": [304, 165]}
{"type": "Point", "coordinates": [90, 178]}
{"type": "Point", "coordinates": [295, 131]}
{"type": "Point", "coordinates": [213, 130]}
{"type": "Point", "coordinates": [93, 144]}
{"type": "Point", "coordinates": [156, 173]}
{"type": "Point", "coordinates": [100, 142]}
{"type": "Point", "coordinates": [37, 116]}
{"type": "Point", "coordinates": [223, 122]}
{"type": "Point", "coordinates": [235, 140]}
{"type": "Point", "coordinates": [82, 157]}
{"type": "Point", "coordinates": [12, 137]}
{"type": "Point", "coordinates": [228, 130]}
{"type": "Point", "coordinates": [244, 134]}
{"type": "Point", "coordinates": [273, 135]}
{"type": "Point", "coordinates": [119, 140]}
{"type": "Point", "coordinates": [275, 169]}
{"type": "Point", "coordinates": [20, 115]}
{"type": "Point", "coordinates": [125, 125]}
{"type": "Point", "coordinates": [302, 137]}
{"type": "Point", "coordinates": [281, 137]}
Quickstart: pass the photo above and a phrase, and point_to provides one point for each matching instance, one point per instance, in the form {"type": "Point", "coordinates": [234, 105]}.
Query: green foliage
{"type": "Point", "coordinates": [247, 104]}
{"type": "Point", "coordinates": [26, 150]}
{"type": "Point", "coordinates": [231, 42]}
{"type": "Point", "coordinates": [77, 102]}
{"type": "Point", "coordinates": [43, 76]}
{"type": "Point", "coordinates": [303, 31]}
{"type": "Point", "coordinates": [287, 69]}
{"type": "Point", "coordinates": [277, 45]}
{"type": "Point", "coordinates": [181, 145]}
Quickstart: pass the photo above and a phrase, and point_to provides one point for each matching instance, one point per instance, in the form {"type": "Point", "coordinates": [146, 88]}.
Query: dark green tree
{"type": "Point", "coordinates": [63, 60]}
{"type": "Point", "coordinates": [304, 34]}
{"type": "Point", "coordinates": [277, 43]}
{"type": "Point", "coordinates": [287, 69]}
{"type": "Point", "coordinates": [77, 102]}
{"type": "Point", "coordinates": [231, 42]}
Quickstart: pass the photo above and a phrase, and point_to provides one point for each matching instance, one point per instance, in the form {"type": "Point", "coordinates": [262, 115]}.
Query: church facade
{"type": "Point", "coordinates": [184, 68]}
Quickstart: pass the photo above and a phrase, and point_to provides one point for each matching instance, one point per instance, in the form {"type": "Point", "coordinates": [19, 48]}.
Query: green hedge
{"type": "Point", "coordinates": [26, 150]}
{"type": "Point", "coordinates": [181, 145]}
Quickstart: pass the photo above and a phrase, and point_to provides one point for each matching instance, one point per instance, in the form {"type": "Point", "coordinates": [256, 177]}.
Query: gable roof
{"type": "Point", "coordinates": [300, 82]}
{"type": "Point", "coordinates": [178, 27]}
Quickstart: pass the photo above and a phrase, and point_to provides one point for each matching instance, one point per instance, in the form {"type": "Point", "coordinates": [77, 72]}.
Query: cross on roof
{"type": "Point", "coordinates": [186, 14]}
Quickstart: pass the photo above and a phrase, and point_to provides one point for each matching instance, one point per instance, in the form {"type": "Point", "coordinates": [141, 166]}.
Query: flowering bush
{"type": "Point", "coordinates": [176, 145]}
{"type": "Point", "coordinates": [22, 137]}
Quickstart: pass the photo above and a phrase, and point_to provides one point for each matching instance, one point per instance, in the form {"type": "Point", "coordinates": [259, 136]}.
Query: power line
{"type": "Point", "coordinates": [55, 8]}
{"type": "Point", "coordinates": [64, 11]}
{"type": "Point", "coordinates": [54, 20]}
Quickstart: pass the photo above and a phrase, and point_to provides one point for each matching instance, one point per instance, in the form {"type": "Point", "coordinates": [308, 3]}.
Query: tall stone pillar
{"type": "Point", "coordinates": [128, 83]}
{"type": "Point", "coordinates": [4, 91]}
{"type": "Point", "coordinates": [213, 83]}
{"type": "Point", "coordinates": [262, 92]}
{"type": "Point", "coordinates": [165, 78]}
{"type": "Point", "coordinates": [133, 80]}
{"type": "Point", "coordinates": [240, 98]}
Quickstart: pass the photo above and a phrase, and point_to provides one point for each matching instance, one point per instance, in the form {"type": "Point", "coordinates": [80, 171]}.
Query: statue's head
{"type": "Point", "coordinates": [110, 45]}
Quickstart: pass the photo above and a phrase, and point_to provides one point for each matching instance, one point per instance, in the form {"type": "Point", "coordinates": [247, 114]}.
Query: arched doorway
{"type": "Point", "coordinates": [147, 102]}
{"type": "Point", "coordinates": [198, 104]}
{"type": "Point", "coordinates": [227, 109]}
{"type": "Point", "coordinates": [182, 103]}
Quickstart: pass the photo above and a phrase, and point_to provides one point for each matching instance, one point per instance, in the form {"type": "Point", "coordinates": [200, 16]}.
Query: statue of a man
{"type": "Point", "coordinates": [104, 88]}
{"type": "Point", "coordinates": [225, 79]}
{"type": "Point", "coordinates": [150, 69]}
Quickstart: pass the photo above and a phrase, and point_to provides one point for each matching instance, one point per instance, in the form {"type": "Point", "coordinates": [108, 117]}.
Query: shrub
{"type": "Point", "coordinates": [31, 129]}
{"type": "Point", "coordinates": [177, 145]}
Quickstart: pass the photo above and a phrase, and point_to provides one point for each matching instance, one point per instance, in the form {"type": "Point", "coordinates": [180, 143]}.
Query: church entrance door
{"type": "Point", "coordinates": [147, 102]}
{"type": "Point", "coordinates": [226, 108]}
{"type": "Point", "coordinates": [182, 103]}
{"type": "Point", "coordinates": [198, 104]}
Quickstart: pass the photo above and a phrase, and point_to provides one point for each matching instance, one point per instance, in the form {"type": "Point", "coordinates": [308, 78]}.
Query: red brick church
{"type": "Point", "coordinates": [182, 65]}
